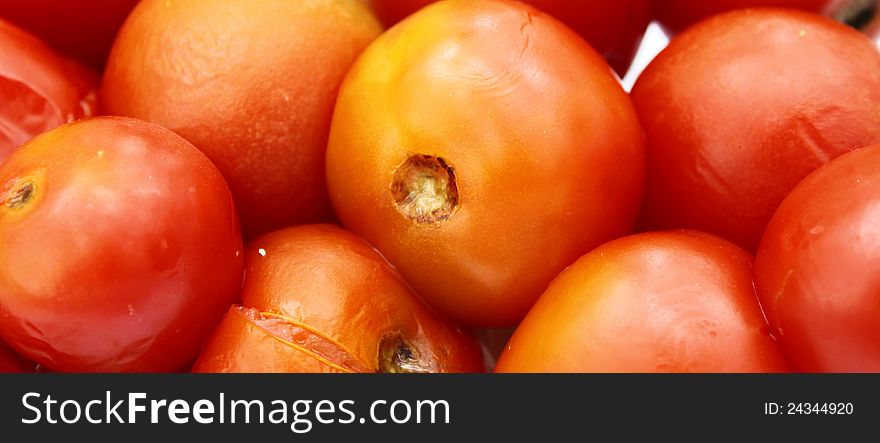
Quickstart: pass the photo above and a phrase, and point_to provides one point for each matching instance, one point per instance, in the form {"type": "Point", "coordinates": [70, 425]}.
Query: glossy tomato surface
{"type": "Point", "coordinates": [816, 270]}
{"type": "Point", "coordinates": [613, 28]}
{"type": "Point", "coordinates": [741, 107]}
{"type": "Point", "coordinates": [39, 89]}
{"type": "Point", "coordinates": [83, 29]}
{"type": "Point", "coordinates": [251, 84]}
{"type": "Point", "coordinates": [483, 147]}
{"type": "Point", "coordinates": [120, 248]}
{"type": "Point", "coordinates": [319, 299]}
{"type": "Point", "coordinates": [677, 301]}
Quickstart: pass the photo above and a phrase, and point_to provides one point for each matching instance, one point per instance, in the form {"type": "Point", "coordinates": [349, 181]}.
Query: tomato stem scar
{"type": "Point", "coordinates": [424, 189]}
{"type": "Point", "coordinates": [397, 356]}
{"type": "Point", "coordinates": [21, 194]}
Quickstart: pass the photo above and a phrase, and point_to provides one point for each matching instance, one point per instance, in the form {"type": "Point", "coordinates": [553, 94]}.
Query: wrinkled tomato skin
{"type": "Point", "coordinates": [613, 28]}
{"type": "Point", "coordinates": [83, 29]}
{"type": "Point", "coordinates": [816, 269]}
{"type": "Point", "coordinates": [120, 248]}
{"type": "Point", "coordinates": [733, 126]}
{"type": "Point", "coordinates": [542, 143]}
{"type": "Point", "coordinates": [677, 301]}
{"type": "Point", "coordinates": [251, 84]}
{"type": "Point", "coordinates": [11, 362]}
{"type": "Point", "coordinates": [39, 89]}
{"type": "Point", "coordinates": [332, 283]}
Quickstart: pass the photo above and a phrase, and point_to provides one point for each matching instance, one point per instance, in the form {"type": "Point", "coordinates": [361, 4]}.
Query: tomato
{"type": "Point", "coordinates": [676, 15]}
{"type": "Point", "coordinates": [483, 147]}
{"type": "Point", "coordinates": [250, 83]}
{"type": "Point", "coordinates": [83, 29]}
{"type": "Point", "coordinates": [120, 248]}
{"type": "Point", "coordinates": [10, 362]}
{"type": "Point", "coordinates": [39, 89]}
{"type": "Point", "coordinates": [319, 299]}
{"type": "Point", "coordinates": [678, 301]}
{"type": "Point", "coordinates": [816, 270]}
{"type": "Point", "coordinates": [740, 108]}
{"type": "Point", "coordinates": [614, 28]}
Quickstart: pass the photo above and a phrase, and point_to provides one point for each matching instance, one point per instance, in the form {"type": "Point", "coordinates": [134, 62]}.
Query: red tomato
{"type": "Point", "coordinates": [250, 83]}
{"type": "Point", "coordinates": [658, 302]}
{"type": "Point", "coordinates": [614, 28]}
{"type": "Point", "coordinates": [121, 248]}
{"type": "Point", "coordinates": [816, 270]}
{"type": "Point", "coordinates": [319, 299]}
{"type": "Point", "coordinates": [483, 147]}
{"type": "Point", "coordinates": [11, 362]}
{"type": "Point", "coordinates": [741, 107]}
{"type": "Point", "coordinates": [81, 28]}
{"type": "Point", "coordinates": [39, 90]}
{"type": "Point", "coordinates": [676, 15]}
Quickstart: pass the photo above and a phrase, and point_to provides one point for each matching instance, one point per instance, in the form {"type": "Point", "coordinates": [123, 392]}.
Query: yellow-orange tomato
{"type": "Point", "coordinates": [679, 301]}
{"type": "Point", "coordinates": [251, 84]}
{"type": "Point", "coordinates": [320, 299]}
{"type": "Point", "coordinates": [482, 147]}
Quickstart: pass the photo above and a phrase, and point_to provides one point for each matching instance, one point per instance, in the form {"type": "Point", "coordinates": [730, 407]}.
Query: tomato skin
{"type": "Point", "coordinates": [816, 269]}
{"type": "Point", "coordinates": [11, 362]}
{"type": "Point", "coordinates": [613, 28]}
{"type": "Point", "coordinates": [38, 88]}
{"type": "Point", "coordinates": [542, 144]}
{"type": "Point", "coordinates": [677, 301]}
{"type": "Point", "coordinates": [121, 248]}
{"type": "Point", "coordinates": [340, 295]}
{"type": "Point", "coordinates": [83, 29]}
{"type": "Point", "coordinates": [251, 84]}
{"type": "Point", "coordinates": [676, 15]}
{"type": "Point", "coordinates": [733, 126]}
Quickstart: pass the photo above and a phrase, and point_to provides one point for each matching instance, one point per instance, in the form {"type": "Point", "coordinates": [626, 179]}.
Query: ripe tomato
{"type": "Point", "coordinates": [120, 248]}
{"type": "Point", "coordinates": [676, 15]}
{"type": "Point", "coordinates": [482, 147]}
{"type": "Point", "coordinates": [614, 28]}
{"type": "Point", "coordinates": [741, 107]}
{"type": "Point", "coordinates": [250, 83]}
{"type": "Point", "coordinates": [11, 362]}
{"type": "Point", "coordinates": [679, 301]}
{"type": "Point", "coordinates": [816, 270]}
{"type": "Point", "coordinates": [39, 89]}
{"type": "Point", "coordinates": [81, 28]}
{"type": "Point", "coordinates": [319, 299]}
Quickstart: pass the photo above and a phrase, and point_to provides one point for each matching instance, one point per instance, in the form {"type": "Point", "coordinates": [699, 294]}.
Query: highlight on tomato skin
{"type": "Point", "coordinates": [613, 28]}
{"type": "Point", "coordinates": [319, 299]}
{"type": "Point", "coordinates": [732, 126]}
{"type": "Point", "coordinates": [121, 248]}
{"type": "Point", "coordinates": [82, 29]}
{"type": "Point", "coordinates": [675, 301]}
{"type": "Point", "coordinates": [816, 269]}
{"type": "Point", "coordinates": [39, 89]}
{"type": "Point", "coordinates": [482, 147]}
{"type": "Point", "coordinates": [252, 84]}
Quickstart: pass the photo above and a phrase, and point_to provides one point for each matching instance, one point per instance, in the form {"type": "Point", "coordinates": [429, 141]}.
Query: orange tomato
{"type": "Point", "coordinates": [613, 28]}
{"type": "Point", "coordinates": [319, 299]}
{"type": "Point", "coordinates": [250, 83]}
{"type": "Point", "coordinates": [678, 301]}
{"type": "Point", "coordinates": [482, 147]}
